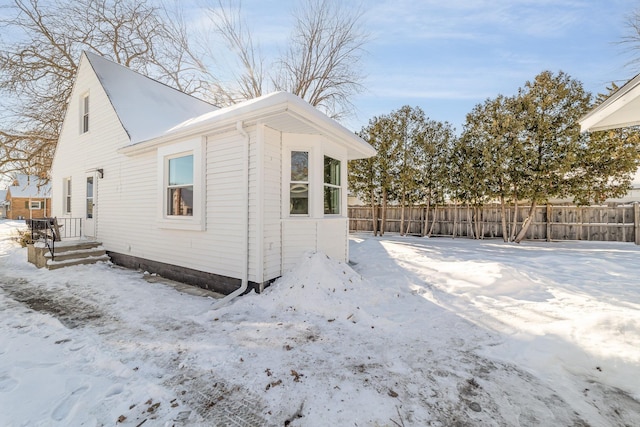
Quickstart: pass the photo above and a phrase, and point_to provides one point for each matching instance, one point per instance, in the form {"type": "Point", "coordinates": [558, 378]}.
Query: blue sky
{"type": "Point", "coordinates": [447, 56]}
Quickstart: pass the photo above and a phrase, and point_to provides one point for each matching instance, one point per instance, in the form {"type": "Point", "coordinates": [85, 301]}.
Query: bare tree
{"type": "Point", "coordinates": [249, 77]}
{"type": "Point", "coordinates": [320, 62]}
{"type": "Point", "coordinates": [39, 61]}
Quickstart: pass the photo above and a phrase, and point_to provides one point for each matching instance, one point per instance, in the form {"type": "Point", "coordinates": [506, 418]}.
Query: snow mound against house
{"type": "Point", "coordinates": [321, 286]}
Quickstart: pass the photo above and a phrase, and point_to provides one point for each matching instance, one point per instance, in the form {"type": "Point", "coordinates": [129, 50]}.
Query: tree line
{"type": "Point", "coordinates": [524, 147]}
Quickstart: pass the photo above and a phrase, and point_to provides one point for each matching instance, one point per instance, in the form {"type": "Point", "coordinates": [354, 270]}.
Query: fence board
{"type": "Point", "coordinates": [595, 223]}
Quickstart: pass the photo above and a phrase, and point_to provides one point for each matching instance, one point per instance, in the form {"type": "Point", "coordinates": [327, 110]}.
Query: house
{"type": "Point", "coordinates": [28, 197]}
{"type": "Point", "coordinates": [620, 109]}
{"type": "Point", "coordinates": [216, 197]}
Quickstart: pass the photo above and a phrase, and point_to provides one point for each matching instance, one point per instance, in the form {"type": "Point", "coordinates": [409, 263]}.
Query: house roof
{"type": "Point", "coordinates": [3, 196]}
{"type": "Point", "coordinates": [145, 107]}
{"type": "Point", "coordinates": [29, 186]}
{"type": "Point", "coordinates": [282, 111]}
{"type": "Point", "coordinates": [620, 109]}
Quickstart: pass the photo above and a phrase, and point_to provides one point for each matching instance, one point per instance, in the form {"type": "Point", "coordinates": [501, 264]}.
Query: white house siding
{"type": "Point", "coordinates": [83, 152]}
{"type": "Point", "coordinates": [272, 178]}
{"type": "Point", "coordinates": [226, 184]}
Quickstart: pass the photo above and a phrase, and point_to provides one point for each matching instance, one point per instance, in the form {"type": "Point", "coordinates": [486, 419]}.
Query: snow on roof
{"type": "Point", "coordinates": [29, 186]}
{"type": "Point", "coordinates": [268, 106]}
{"type": "Point", "coordinates": [3, 196]}
{"type": "Point", "coordinates": [146, 108]}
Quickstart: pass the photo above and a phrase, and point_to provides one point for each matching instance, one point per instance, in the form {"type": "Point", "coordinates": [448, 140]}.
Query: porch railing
{"type": "Point", "coordinates": [52, 230]}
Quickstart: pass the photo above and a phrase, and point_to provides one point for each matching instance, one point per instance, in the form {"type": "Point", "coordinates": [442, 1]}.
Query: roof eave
{"type": "Point", "coordinates": [592, 121]}
{"type": "Point", "coordinates": [261, 110]}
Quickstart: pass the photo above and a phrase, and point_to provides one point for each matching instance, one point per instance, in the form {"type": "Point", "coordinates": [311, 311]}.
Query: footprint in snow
{"type": "Point", "coordinates": [7, 383]}
{"type": "Point", "coordinates": [67, 404]}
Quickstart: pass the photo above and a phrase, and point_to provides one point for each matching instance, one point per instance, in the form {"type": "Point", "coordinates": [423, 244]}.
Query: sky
{"type": "Point", "coordinates": [448, 56]}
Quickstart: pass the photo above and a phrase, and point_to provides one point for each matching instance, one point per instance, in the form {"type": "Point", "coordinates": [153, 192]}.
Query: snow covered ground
{"type": "Point", "coordinates": [418, 332]}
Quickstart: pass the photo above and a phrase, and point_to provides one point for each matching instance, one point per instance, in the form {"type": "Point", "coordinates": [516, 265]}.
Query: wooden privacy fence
{"type": "Point", "coordinates": [596, 223]}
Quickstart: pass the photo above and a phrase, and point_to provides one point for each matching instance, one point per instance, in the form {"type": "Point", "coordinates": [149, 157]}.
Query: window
{"type": "Point", "coordinates": [332, 192]}
{"type": "Point", "coordinates": [299, 184]}
{"type": "Point", "coordinates": [180, 186]}
{"type": "Point", "coordinates": [85, 114]}
{"type": "Point", "coordinates": [67, 195]}
{"type": "Point", "coordinates": [35, 205]}
{"type": "Point", "coordinates": [89, 197]}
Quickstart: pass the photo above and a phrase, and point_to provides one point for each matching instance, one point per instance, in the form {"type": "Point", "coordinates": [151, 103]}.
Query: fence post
{"type": "Point", "coordinates": [548, 222]}
{"type": "Point", "coordinates": [636, 222]}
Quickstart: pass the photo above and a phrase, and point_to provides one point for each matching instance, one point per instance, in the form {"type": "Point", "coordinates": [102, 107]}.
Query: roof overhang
{"type": "Point", "coordinates": [621, 109]}
{"type": "Point", "coordinates": [281, 111]}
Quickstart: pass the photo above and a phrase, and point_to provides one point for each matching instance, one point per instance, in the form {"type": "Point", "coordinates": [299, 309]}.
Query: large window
{"type": "Point", "coordinates": [85, 114]}
{"type": "Point", "coordinates": [67, 195]}
{"type": "Point", "coordinates": [180, 186]}
{"type": "Point", "coordinates": [299, 184]}
{"type": "Point", "coordinates": [332, 189]}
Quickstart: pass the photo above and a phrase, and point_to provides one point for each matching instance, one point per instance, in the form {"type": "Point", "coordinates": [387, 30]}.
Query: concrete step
{"type": "Point", "coordinates": [76, 253]}
{"type": "Point", "coordinates": [55, 264]}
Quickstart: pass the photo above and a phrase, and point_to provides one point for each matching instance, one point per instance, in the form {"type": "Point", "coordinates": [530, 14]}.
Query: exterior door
{"type": "Point", "coordinates": [90, 206]}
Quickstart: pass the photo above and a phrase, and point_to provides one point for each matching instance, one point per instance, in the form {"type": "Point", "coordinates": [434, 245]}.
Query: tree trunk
{"type": "Point", "coordinates": [408, 221]}
{"type": "Point", "coordinates": [470, 232]}
{"type": "Point", "coordinates": [383, 214]}
{"type": "Point", "coordinates": [526, 223]}
{"type": "Point", "coordinates": [433, 222]}
{"type": "Point", "coordinates": [503, 211]}
{"type": "Point", "coordinates": [374, 216]}
{"type": "Point", "coordinates": [402, 202]}
{"type": "Point", "coordinates": [425, 224]}
{"type": "Point", "coordinates": [455, 219]}
{"type": "Point", "coordinates": [514, 223]}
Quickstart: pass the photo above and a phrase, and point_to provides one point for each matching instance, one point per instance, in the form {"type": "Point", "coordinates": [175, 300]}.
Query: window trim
{"type": "Point", "coordinates": [67, 195]}
{"type": "Point", "coordinates": [311, 149]}
{"type": "Point", "coordinates": [31, 204]}
{"type": "Point", "coordinates": [338, 186]}
{"type": "Point", "coordinates": [294, 182]}
{"type": "Point", "coordinates": [196, 222]}
{"type": "Point", "coordinates": [85, 103]}
{"type": "Point", "coordinates": [168, 186]}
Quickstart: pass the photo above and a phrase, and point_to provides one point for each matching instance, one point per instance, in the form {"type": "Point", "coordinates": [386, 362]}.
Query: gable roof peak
{"type": "Point", "coordinates": [145, 107]}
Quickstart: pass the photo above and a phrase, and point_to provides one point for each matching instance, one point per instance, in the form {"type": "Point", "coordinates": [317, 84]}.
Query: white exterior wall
{"type": "Point", "coordinates": [272, 181]}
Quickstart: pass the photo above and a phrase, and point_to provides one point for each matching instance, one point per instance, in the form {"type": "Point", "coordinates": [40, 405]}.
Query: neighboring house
{"type": "Point", "coordinates": [620, 109]}
{"type": "Point", "coordinates": [28, 197]}
{"type": "Point", "coordinates": [209, 196]}
{"type": "Point", "coordinates": [3, 204]}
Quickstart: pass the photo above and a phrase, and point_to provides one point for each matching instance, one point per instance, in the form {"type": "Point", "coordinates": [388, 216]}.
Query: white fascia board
{"type": "Point", "coordinates": [593, 120]}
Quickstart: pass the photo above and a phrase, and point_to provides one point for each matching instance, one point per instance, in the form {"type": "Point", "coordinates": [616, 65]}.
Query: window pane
{"type": "Point", "coordinates": [331, 171]}
{"type": "Point", "coordinates": [180, 201]}
{"type": "Point", "coordinates": [299, 197]}
{"type": "Point", "coordinates": [181, 170]}
{"type": "Point", "coordinates": [90, 186]}
{"type": "Point", "coordinates": [331, 200]}
{"type": "Point", "coordinates": [299, 166]}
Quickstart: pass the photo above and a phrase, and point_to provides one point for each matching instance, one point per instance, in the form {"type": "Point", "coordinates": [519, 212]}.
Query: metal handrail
{"type": "Point", "coordinates": [42, 229]}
